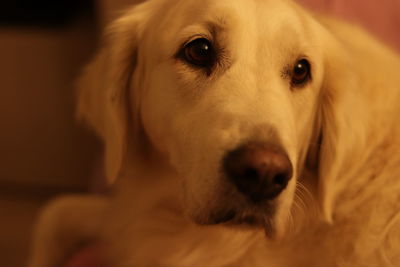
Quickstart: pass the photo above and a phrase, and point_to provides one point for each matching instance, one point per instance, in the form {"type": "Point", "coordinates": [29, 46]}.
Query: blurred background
{"type": "Point", "coordinates": [43, 150]}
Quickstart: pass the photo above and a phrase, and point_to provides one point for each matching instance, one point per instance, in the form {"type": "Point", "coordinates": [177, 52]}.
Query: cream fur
{"type": "Point", "coordinates": [166, 127]}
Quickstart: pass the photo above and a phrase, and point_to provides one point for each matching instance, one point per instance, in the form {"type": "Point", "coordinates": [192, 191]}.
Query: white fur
{"type": "Point", "coordinates": [166, 128]}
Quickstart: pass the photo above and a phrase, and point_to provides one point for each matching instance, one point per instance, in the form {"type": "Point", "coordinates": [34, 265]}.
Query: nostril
{"type": "Point", "coordinates": [280, 179]}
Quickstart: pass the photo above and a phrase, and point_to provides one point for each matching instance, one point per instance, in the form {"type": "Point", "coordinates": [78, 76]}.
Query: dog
{"type": "Point", "coordinates": [237, 133]}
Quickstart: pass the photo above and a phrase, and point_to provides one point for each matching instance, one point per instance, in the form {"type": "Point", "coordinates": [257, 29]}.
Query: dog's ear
{"type": "Point", "coordinates": [104, 96]}
{"type": "Point", "coordinates": [339, 137]}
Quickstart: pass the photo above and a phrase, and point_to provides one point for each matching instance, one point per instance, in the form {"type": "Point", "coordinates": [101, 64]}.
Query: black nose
{"type": "Point", "coordinates": [259, 171]}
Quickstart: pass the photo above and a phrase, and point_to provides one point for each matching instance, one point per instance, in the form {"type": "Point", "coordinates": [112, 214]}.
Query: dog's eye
{"type": "Point", "coordinates": [199, 52]}
{"type": "Point", "coordinates": [301, 72]}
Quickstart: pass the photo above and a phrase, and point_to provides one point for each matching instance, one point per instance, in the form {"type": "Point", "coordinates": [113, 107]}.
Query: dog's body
{"type": "Point", "coordinates": [168, 124]}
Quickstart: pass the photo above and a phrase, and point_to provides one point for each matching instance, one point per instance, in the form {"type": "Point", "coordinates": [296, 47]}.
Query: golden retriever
{"type": "Point", "coordinates": [238, 133]}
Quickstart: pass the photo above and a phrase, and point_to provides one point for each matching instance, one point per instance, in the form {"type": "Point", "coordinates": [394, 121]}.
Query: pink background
{"type": "Point", "coordinates": [380, 17]}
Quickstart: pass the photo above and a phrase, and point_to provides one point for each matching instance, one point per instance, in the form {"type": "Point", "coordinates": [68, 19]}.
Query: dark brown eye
{"type": "Point", "coordinates": [199, 52]}
{"type": "Point", "coordinates": [301, 72]}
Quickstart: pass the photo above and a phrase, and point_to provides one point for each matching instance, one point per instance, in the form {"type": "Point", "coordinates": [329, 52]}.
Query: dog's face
{"type": "Point", "coordinates": [228, 96]}
{"type": "Point", "coordinates": [227, 92]}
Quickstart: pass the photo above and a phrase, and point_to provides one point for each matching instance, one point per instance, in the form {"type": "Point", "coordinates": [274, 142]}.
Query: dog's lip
{"type": "Point", "coordinates": [247, 220]}
{"type": "Point", "coordinates": [235, 218]}
{"type": "Point", "coordinates": [254, 222]}
{"type": "Point", "coordinates": [225, 217]}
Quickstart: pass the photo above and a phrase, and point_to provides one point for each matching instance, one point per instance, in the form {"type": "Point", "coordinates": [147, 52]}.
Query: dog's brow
{"type": "Point", "coordinates": [216, 26]}
{"type": "Point", "coordinates": [210, 29]}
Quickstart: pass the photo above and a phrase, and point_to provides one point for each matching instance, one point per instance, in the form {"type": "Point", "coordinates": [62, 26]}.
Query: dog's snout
{"type": "Point", "coordinates": [259, 171]}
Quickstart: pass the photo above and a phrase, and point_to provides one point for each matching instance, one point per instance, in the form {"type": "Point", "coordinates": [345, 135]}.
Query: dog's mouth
{"type": "Point", "coordinates": [248, 218]}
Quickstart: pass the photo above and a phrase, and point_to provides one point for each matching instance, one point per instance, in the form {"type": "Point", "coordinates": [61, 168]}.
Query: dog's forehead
{"type": "Point", "coordinates": [268, 13]}
{"type": "Point", "coordinates": [261, 21]}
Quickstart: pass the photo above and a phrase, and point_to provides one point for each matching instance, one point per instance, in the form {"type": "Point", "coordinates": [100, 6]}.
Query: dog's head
{"type": "Point", "coordinates": [232, 93]}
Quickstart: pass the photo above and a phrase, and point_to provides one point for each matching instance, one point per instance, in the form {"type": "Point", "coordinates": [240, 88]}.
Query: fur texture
{"type": "Point", "coordinates": [166, 126]}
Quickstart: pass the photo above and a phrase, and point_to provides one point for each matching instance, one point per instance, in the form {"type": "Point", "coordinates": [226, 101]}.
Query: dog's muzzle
{"type": "Point", "coordinates": [260, 171]}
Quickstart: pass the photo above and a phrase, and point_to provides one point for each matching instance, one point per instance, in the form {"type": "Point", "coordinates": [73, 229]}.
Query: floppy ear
{"type": "Point", "coordinates": [103, 90]}
{"type": "Point", "coordinates": [340, 137]}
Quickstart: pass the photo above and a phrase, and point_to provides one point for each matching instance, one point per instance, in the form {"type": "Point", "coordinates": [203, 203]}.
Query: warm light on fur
{"type": "Point", "coordinates": [166, 127]}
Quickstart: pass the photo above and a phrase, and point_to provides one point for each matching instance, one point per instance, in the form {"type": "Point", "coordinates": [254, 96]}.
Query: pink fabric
{"type": "Point", "coordinates": [90, 256]}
